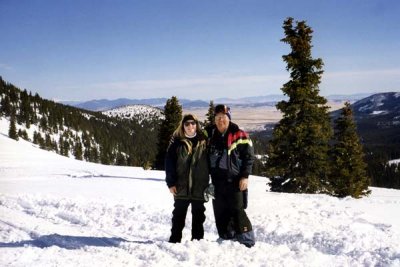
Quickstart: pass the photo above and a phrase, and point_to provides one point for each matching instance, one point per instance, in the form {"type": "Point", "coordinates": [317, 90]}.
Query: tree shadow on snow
{"type": "Point", "coordinates": [88, 176]}
{"type": "Point", "coordinates": [70, 242]}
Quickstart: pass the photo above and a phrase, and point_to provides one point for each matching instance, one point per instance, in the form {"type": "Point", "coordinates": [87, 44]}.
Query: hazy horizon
{"type": "Point", "coordinates": [192, 49]}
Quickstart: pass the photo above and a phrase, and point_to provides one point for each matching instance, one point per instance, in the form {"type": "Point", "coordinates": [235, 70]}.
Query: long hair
{"type": "Point", "coordinates": [180, 131]}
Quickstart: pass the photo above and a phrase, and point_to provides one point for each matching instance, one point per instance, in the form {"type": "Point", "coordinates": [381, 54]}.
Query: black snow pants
{"type": "Point", "coordinates": [230, 216]}
{"type": "Point", "coordinates": [179, 217]}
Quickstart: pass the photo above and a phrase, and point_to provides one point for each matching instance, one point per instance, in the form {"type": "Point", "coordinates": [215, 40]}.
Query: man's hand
{"type": "Point", "coordinates": [243, 184]}
{"type": "Point", "coordinates": [172, 189]}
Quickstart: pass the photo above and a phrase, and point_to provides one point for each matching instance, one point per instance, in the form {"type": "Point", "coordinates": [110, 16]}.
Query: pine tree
{"type": "Point", "coordinates": [12, 131]}
{"type": "Point", "coordinates": [60, 144]}
{"type": "Point", "coordinates": [120, 161]}
{"type": "Point", "coordinates": [298, 151]}
{"type": "Point", "coordinates": [348, 169]}
{"type": "Point", "coordinates": [23, 134]}
{"type": "Point", "coordinates": [66, 147]}
{"type": "Point", "coordinates": [173, 116]}
{"type": "Point", "coordinates": [48, 143]}
{"type": "Point", "coordinates": [210, 114]}
{"type": "Point", "coordinates": [78, 149]}
{"type": "Point", "coordinates": [94, 154]}
{"type": "Point", "coordinates": [5, 106]}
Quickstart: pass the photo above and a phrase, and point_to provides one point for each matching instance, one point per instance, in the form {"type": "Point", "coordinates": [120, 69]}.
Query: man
{"type": "Point", "coordinates": [231, 158]}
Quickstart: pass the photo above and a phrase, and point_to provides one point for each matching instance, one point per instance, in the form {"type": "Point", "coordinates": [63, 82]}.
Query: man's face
{"type": "Point", "coordinates": [222, 122]}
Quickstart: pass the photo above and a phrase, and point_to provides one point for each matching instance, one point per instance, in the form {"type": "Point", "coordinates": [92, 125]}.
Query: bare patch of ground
{"type": "Point", "coordinates": [253, 118]}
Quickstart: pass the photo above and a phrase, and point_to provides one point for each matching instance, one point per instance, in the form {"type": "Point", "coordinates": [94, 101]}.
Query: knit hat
{"type": "Point", "coordinates": [222, 109]}
{"type": "Point", "coordinates": [188, 117]}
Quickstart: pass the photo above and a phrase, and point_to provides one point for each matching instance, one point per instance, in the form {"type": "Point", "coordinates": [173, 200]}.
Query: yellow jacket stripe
{"type": "Point", "coordinates": [239, 142]}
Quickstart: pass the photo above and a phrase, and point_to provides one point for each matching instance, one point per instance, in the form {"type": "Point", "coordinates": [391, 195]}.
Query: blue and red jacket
{"type": "Point", "coordinates": [231, 154]}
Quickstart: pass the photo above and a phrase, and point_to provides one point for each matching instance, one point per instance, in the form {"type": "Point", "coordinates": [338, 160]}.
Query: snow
{"type": "Point", "coordinates": [373, 102]}
{"type": "Point", "coordinates": [394, 161]}
{"type": "Point", "coordinates": [378, 112]}
{"type": "Point", "coordinates": [57, 211]}
{"type": "Point", "coordinates": [140, 112]}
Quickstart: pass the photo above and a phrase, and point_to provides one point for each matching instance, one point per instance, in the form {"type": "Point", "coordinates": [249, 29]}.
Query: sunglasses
{"type": "Point", "coordinates": [221, 117]}
{"type": "Point", "coordinates": [187, 123]}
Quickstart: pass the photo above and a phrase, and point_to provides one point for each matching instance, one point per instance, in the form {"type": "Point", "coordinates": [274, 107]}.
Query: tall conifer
{"type": "Point", "coordinates": [298, 151]}
{"type": "Point", "coordinates": [173, 116]}
{"type": "Point", "coordinates": [12, 131]}
{"type": "Point", "coordinates": [210, 114]}
{"type": "Point", "coordinates": [348, 176]}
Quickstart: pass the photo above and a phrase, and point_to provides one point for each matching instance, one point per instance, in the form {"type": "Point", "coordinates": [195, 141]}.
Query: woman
{"type": "Point", "coordinates": [187, 176]}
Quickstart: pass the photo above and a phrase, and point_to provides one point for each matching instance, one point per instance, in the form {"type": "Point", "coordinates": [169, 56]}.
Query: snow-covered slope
{"type": "Point", "coordinates": [139, 112]}
{"type": "Point", "coordinates": [56, 211]}
{"type": "Point", "coordinates": [378, 104]}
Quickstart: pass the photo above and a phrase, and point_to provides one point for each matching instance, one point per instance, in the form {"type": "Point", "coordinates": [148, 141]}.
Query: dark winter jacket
{"type": "Point", "coordinates": [187, 171]}
{"type": "Point", "coordinates": [231, 155]}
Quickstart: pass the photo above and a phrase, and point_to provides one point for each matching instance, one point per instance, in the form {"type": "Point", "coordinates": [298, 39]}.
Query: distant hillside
{"type": "Point", "coordinates": [383, 105]}
{"type": "Point", "coordinates": [141, 113]}
{"type": "Point", "coordinates": [378, 122]}
{"type": "Point", "coordinates": [105, 104]}
{"type": "Point", "coordinates": [256, 101]}
{"type": "Point", "coordinates": [78, 133]}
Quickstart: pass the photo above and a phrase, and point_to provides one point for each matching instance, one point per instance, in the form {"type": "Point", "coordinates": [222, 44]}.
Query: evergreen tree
{"type": "Point", "coordinates": [120, 161]}
{"type": "Point", "coordinates": [40, 140]}
{"type": "Point", "coordinates": [43, 123]}
{"type": "Point", "coordinates": [298, 151]}
{"type": "Point", "coordinates": [173, 116]}
{"type": "Point", "coordinates": [12, 131]}
{"type": "Point", "coordinates": [25, 109]}
{"type": "Point", "coordinates": [60, 144]}
{"type": "Point", "coordinates": [66, 147]}
{"type": "Point", "coordinates": [23, 134]}
{"type": "Point", "coordinates": [94, 154]}
{"type": "Point", "coordinates": [48, 143]}
{"type": "Point", "coordinates": [35, 138]}
{"type": "Point", "coordinates": [348, 169]}
{"type": "Point", "coordinates": [105, 156]}
{"type": "Point", "coordinates": [78, 149]}
{"type": "Point", "coordinates": [210, 114]}
{"type": "Point", "coordinates": [5, 106]}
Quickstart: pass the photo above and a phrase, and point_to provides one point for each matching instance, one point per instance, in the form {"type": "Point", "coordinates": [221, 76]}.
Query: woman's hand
{"type": "Point", "coordinates": [172, 189]}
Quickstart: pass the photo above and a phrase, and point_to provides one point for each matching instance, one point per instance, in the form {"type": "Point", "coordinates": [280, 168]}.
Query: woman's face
{"type": "Point", "coordinates": [190, 127]}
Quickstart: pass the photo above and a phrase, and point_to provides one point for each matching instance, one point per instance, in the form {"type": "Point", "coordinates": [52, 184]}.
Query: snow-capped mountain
{"type": "Point", "coordinates": [105, 104]}
{"type": "Point", "coordinates": [256, 101]}
{"type": "Point", "coordinates": [382, 110]}
{"type": "Point", "coordinates": [378, 122]}
{"type": "Point", "coordinates": [379, 105]}
{"type": "Point", "coordinates": [139, 112]}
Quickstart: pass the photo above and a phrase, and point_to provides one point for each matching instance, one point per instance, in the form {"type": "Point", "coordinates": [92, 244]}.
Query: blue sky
{"type": "Point", "coordinates": [196, 49]}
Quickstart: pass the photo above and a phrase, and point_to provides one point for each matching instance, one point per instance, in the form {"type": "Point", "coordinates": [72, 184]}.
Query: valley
{"type": "Point", "coordinates": [252, 118]}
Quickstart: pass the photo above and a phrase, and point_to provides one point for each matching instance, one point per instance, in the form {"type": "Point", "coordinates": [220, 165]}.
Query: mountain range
{"type": "Point", "coordinates": [268, 100]}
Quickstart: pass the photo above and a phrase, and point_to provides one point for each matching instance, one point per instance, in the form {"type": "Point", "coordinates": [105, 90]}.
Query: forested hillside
{"type": "Point", "coordinates": [377, 118]}
{"type": "Point", "coordinates": [83, 134]}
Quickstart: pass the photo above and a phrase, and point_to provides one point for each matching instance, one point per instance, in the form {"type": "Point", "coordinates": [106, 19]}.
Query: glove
{"type": "Point", "coordinates": [209, 192]}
